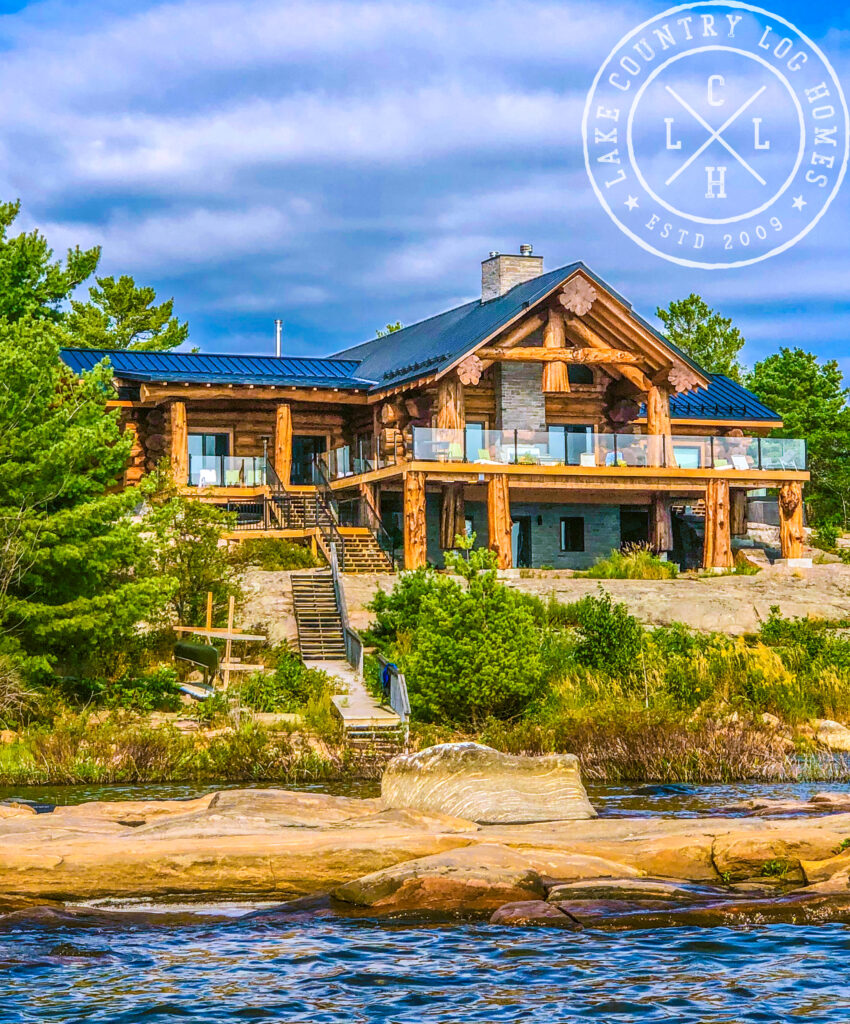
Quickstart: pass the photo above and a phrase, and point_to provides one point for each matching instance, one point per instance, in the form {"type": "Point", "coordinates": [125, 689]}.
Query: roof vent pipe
{"type": "Point", "coordinates": [526, 249]}
{"type": "Point", "coordinates": [278, 329]}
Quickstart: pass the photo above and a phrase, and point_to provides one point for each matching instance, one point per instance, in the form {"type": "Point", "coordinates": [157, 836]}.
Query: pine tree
{"type": "Point", "coordinates": [68, 545]}
{"type": "Point", "coordinates": [122, 315]}
{"type": "Point", "coordinates": [32, 283]}
{"type": "Point", "coordinates": [703, 334]}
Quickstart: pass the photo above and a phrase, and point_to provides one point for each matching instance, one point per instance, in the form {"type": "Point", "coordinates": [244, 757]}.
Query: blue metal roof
{"type": "Point", "coordinates": [723, 399]}
{"type": "Point", "coordinates": [432, 345]}
{"type": "Point", "coordinates": [209, 368]}
{"type": "Point", "coordinates": [420, 350]}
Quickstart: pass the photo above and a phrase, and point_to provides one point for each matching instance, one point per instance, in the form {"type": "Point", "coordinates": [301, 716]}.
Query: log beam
{"type": "Point", "coordinates": [738, 513]}
{"type": "Point", "coordinates": [179, 444]}
{"type": "Point", "coordinates": [283, 442]}
{"type": "Point", "coordinates": [661, 523]}
{"type": "Point", "coordinates": [791, 533]}
{"type": "Point", "coordinates": [452, 515]}
{"type": "Point", "coordinates": [717, 548]}
{"type": "Point", "coordinates": [499, 519]}
{"type": "Point", "coordinates": [581, 334]}
{"type": "Point", "coordinates": [522, 331]}
{"type": "Point", "coordinates": [585, 356]}
{"type": "Point", "coordinates": [415, 530]}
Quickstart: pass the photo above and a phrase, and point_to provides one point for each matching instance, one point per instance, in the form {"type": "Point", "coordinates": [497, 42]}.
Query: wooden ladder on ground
{"type": "Point", "coordinates": [317, 616]}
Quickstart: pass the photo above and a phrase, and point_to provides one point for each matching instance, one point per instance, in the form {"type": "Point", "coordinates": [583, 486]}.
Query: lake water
{"type": "Point", "coordinates": [212, 964]}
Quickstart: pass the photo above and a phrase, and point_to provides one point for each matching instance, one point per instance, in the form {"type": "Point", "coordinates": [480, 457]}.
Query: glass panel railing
{"type": "Point", "coordinates": [227, 471]}
{"type": "Point", "coordinates": [556, 448]}
{"type": "Point", "coordinates": [781, 453]}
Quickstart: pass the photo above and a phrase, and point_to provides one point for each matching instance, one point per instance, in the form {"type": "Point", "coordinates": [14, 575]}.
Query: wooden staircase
{"type": "Point", "coordinates": [362, 552]}
{"type": "Point", "coordinates": [317, 616]}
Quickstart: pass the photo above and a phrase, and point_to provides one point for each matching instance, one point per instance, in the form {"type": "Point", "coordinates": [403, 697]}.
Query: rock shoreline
{"type": "Point", "coordinates": [356, 857]}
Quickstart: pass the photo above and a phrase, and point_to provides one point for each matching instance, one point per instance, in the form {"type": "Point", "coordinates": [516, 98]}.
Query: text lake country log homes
{"type": "Point", "coordinates": [546, 415]}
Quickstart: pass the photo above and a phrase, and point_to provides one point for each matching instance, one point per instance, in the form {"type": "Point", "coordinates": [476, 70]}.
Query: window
{"type": "Point", "coordinates": [579, 374]}
{"type": "Point", "coordinates": [469, 526]}
{"type": "Point", "coordinates": [209, 444]}
{"type": "Point", "coordinates": [572, 533]}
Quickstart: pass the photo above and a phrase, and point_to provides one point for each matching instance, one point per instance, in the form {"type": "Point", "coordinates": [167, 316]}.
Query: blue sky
{"type": "Point", "coordinates": [345, 164]}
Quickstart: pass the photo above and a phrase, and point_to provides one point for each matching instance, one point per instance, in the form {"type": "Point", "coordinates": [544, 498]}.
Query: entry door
{"type": "Point", "coordinates": [304, 448]}
{"type": "Point", "coordinates": [207, 453]}
{"type": "Point", "coordinates": [634, 524]}
{"type": "Point", "coordinates": [521, 542]}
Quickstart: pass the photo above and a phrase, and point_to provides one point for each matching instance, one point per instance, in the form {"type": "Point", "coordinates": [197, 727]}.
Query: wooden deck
{"type": "Point", "coordinates": [357, 707]}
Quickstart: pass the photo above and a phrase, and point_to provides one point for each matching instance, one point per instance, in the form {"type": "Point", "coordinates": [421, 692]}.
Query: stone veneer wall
{"type": "Point", "coordinates": [520, 400]}
{"type": "Point", "coordinates": [601, 531]}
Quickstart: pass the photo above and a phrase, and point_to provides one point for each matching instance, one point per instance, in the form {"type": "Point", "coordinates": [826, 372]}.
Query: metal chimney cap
{"type": "Point", "coordinates": [526, 249]}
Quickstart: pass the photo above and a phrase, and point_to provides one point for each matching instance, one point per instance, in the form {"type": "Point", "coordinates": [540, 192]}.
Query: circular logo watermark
{"type": "Point", "coordinates": [716, 134]}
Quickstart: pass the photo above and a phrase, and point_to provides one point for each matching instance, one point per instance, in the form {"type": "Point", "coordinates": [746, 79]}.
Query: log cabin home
{"type": "Point", "coordinates": [546, 416]}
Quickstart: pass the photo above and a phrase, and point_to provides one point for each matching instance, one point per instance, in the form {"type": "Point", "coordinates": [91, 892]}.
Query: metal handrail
{"type": "Point", "coordinates": [382, 535]}
{"type": "Point", "coordinates": [399, 699]}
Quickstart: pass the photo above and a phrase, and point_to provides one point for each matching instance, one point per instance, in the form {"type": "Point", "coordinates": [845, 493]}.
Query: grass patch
{"type": "Point", "coordinates": [633, 562]}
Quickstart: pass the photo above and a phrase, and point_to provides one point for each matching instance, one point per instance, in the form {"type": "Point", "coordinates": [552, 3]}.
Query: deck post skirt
{"type": "Point", "coordinates": [499, 519]}
{"type": "Point", "coordinates": [415, 528]}
{"type": "Point", "coordinates": [179, 444]}
{"type": "Point", "coordinates": [452, 515]}
{"type": "Point", "coordinates": [791, 533]}
{"type": "Point", "coordinates": [283, 442]}
{"type": "Point", "coordinates": [717, 548]}
{"type": "Point", "coordinates": [661, 536]}
{"type": "Point", "coordinates": [739, 512]}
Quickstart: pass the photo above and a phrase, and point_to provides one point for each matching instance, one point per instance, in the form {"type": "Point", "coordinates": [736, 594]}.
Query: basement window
{"type": "Point", "coordinates": [572, 533]}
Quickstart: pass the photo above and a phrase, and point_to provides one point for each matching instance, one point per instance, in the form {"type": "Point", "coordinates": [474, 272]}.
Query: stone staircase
{"type": "Point", "coordinates": [317, 616]}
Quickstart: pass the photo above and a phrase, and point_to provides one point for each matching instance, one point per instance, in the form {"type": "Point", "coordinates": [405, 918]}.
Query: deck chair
{"type": "Point", "coordinates": [587, 459]}
{"type": "Point", "coordinates": [231, 478]}
{"type": "Point", "coordinates": [740, 462]}
{"type": "Point", "coordinates": [455, 451]}
{"type": "Point", "coordinates": [721, 464]}
{"type": "Point", "coordinates": [207, 478]}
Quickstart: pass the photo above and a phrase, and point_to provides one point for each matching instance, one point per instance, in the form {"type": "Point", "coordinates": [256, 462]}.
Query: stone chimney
{"type": "Point", "coordinates": [499, 272]}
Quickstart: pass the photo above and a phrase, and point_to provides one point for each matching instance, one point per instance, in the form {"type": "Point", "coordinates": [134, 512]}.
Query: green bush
{"type": "Point", "coordinates": [633, 562]}
{"type": "Point", "coordinates": [609, 638]}
{"type": "Point", "coordinates": [273, 554]}
{"type": "Point", "coordinates": [469, 648]}
{"type": "Point", "coordinates": [154, 690]}
{"type": "Point", "coordinates": [290, 687]}
{"type": "Point", "coordinates": [826, 535]}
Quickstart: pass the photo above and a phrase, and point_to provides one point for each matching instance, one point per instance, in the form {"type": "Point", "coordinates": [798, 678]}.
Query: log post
{"type": "Point", "coordinates": [179, 444]}
{"type": "Point", "coordinates": [415, 526]}
{"type": "Point", "coordinates": [556, 376]}
{"type": "Point", "coordinates": [452, 515]}
{"type": "Point", "coordinates": [661, 523]}
{"type": "Point", "coordinates": [499, 519]}
{"type": "Point", "coordinates": [451, 413]}
{"type": "Point", "coordinates": [659, 427]}
{"type": "Point", "coordinates": [791, 533]}
{"type": "Point", "coordinates": [738, 499]}
{"type": "Point", "coordinates": [283, 442]}
{"type": "Point", "coordinates": [717, 549]}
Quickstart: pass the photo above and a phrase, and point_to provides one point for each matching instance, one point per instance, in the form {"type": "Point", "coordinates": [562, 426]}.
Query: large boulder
{"type": "Point", "coordinates": [773, 852]}
{"type": "Point", "coordinates": [476, 878]}
{"type": "Point", "coordinates": [534, 913]}
{"type": "Point", "coordinates": [832, 735]}
{"type": "Point", "coordinates": [469, 780]}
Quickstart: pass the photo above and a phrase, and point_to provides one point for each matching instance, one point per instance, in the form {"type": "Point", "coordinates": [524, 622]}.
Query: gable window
{"type": "Point", "coordinates": [572, 533]}
{"type": "Point", "coordinates": [579, 374]}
